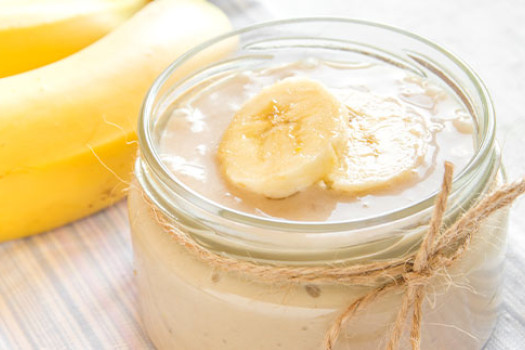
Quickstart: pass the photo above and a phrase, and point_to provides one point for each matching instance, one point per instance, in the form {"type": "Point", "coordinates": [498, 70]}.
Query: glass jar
{"type": "Point", "coordinates": [187, 304]}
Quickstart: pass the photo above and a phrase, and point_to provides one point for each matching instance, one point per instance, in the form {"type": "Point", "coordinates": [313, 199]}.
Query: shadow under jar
{"type": "Point", "coordinates": [187, 304]}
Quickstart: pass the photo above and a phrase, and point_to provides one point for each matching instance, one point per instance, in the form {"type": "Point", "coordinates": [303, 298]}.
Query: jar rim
{"type": "Point", "coordinates": [161, 172]}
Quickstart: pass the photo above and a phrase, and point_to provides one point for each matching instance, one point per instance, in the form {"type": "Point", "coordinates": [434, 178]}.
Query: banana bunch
{"type": "Point", "coordinates": [67, 129]}
{"type": "Point", "coordinates": [295, 134]}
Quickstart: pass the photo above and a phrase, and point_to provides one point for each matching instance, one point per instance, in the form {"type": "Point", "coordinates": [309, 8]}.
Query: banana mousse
{"type": "Point", "coordinates": [308, 142]}
{"type": "Point", "coordinates": [283, 192]}
{"type": "Point", "coordinates": [317, 140]}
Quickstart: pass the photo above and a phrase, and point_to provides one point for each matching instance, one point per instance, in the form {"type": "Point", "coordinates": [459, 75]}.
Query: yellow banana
{"type": "Point", "coordinates": [284, 139]}
{"type": "Point", "coordinates": [37, 32]}
{"type": "Point", "coordinates": [385, 145]}
{"type": "Point", "coordinates": [67, 129]}
{"type": "Point", "coordinates": [295, 134]}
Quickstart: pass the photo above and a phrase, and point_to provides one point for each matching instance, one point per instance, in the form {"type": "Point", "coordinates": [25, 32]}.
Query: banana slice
{"type": "Point", "coordinates": [285, 139]}
{"type": "Point", "coordinates": [386, 144]}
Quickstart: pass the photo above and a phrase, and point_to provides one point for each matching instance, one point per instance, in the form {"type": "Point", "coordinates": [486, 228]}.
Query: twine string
{"type": "Point", "coordinates": [414, 293]}
{"type": "Point", "coordinates": [439, 250]}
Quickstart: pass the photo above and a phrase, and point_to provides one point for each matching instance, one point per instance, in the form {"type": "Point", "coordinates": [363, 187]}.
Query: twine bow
{"type": "Point", "coordinates": [413, 279]}
{"type": "Point", "coordinates": [438, 251]}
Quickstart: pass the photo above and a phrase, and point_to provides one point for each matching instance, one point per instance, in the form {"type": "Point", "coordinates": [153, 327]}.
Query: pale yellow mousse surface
{"type": "Point", "coordinates": [316, 140]}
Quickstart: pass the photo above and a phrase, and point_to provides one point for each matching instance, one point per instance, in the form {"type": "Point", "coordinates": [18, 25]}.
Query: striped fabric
{"type": "Point", "coordinates": [72, 288]}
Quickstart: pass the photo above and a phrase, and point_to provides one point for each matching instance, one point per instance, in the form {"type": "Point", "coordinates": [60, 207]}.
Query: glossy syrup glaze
{"type": "Point", "coordinates": [197, 120]}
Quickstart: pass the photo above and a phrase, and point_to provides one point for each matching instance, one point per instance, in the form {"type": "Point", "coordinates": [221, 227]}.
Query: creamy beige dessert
{"type": "Point", "coordinates": [401, 128]}
{"type": "Point", "coordinates": [308, 141]}
{"type": "Point", "coordinates": [186, 305]}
